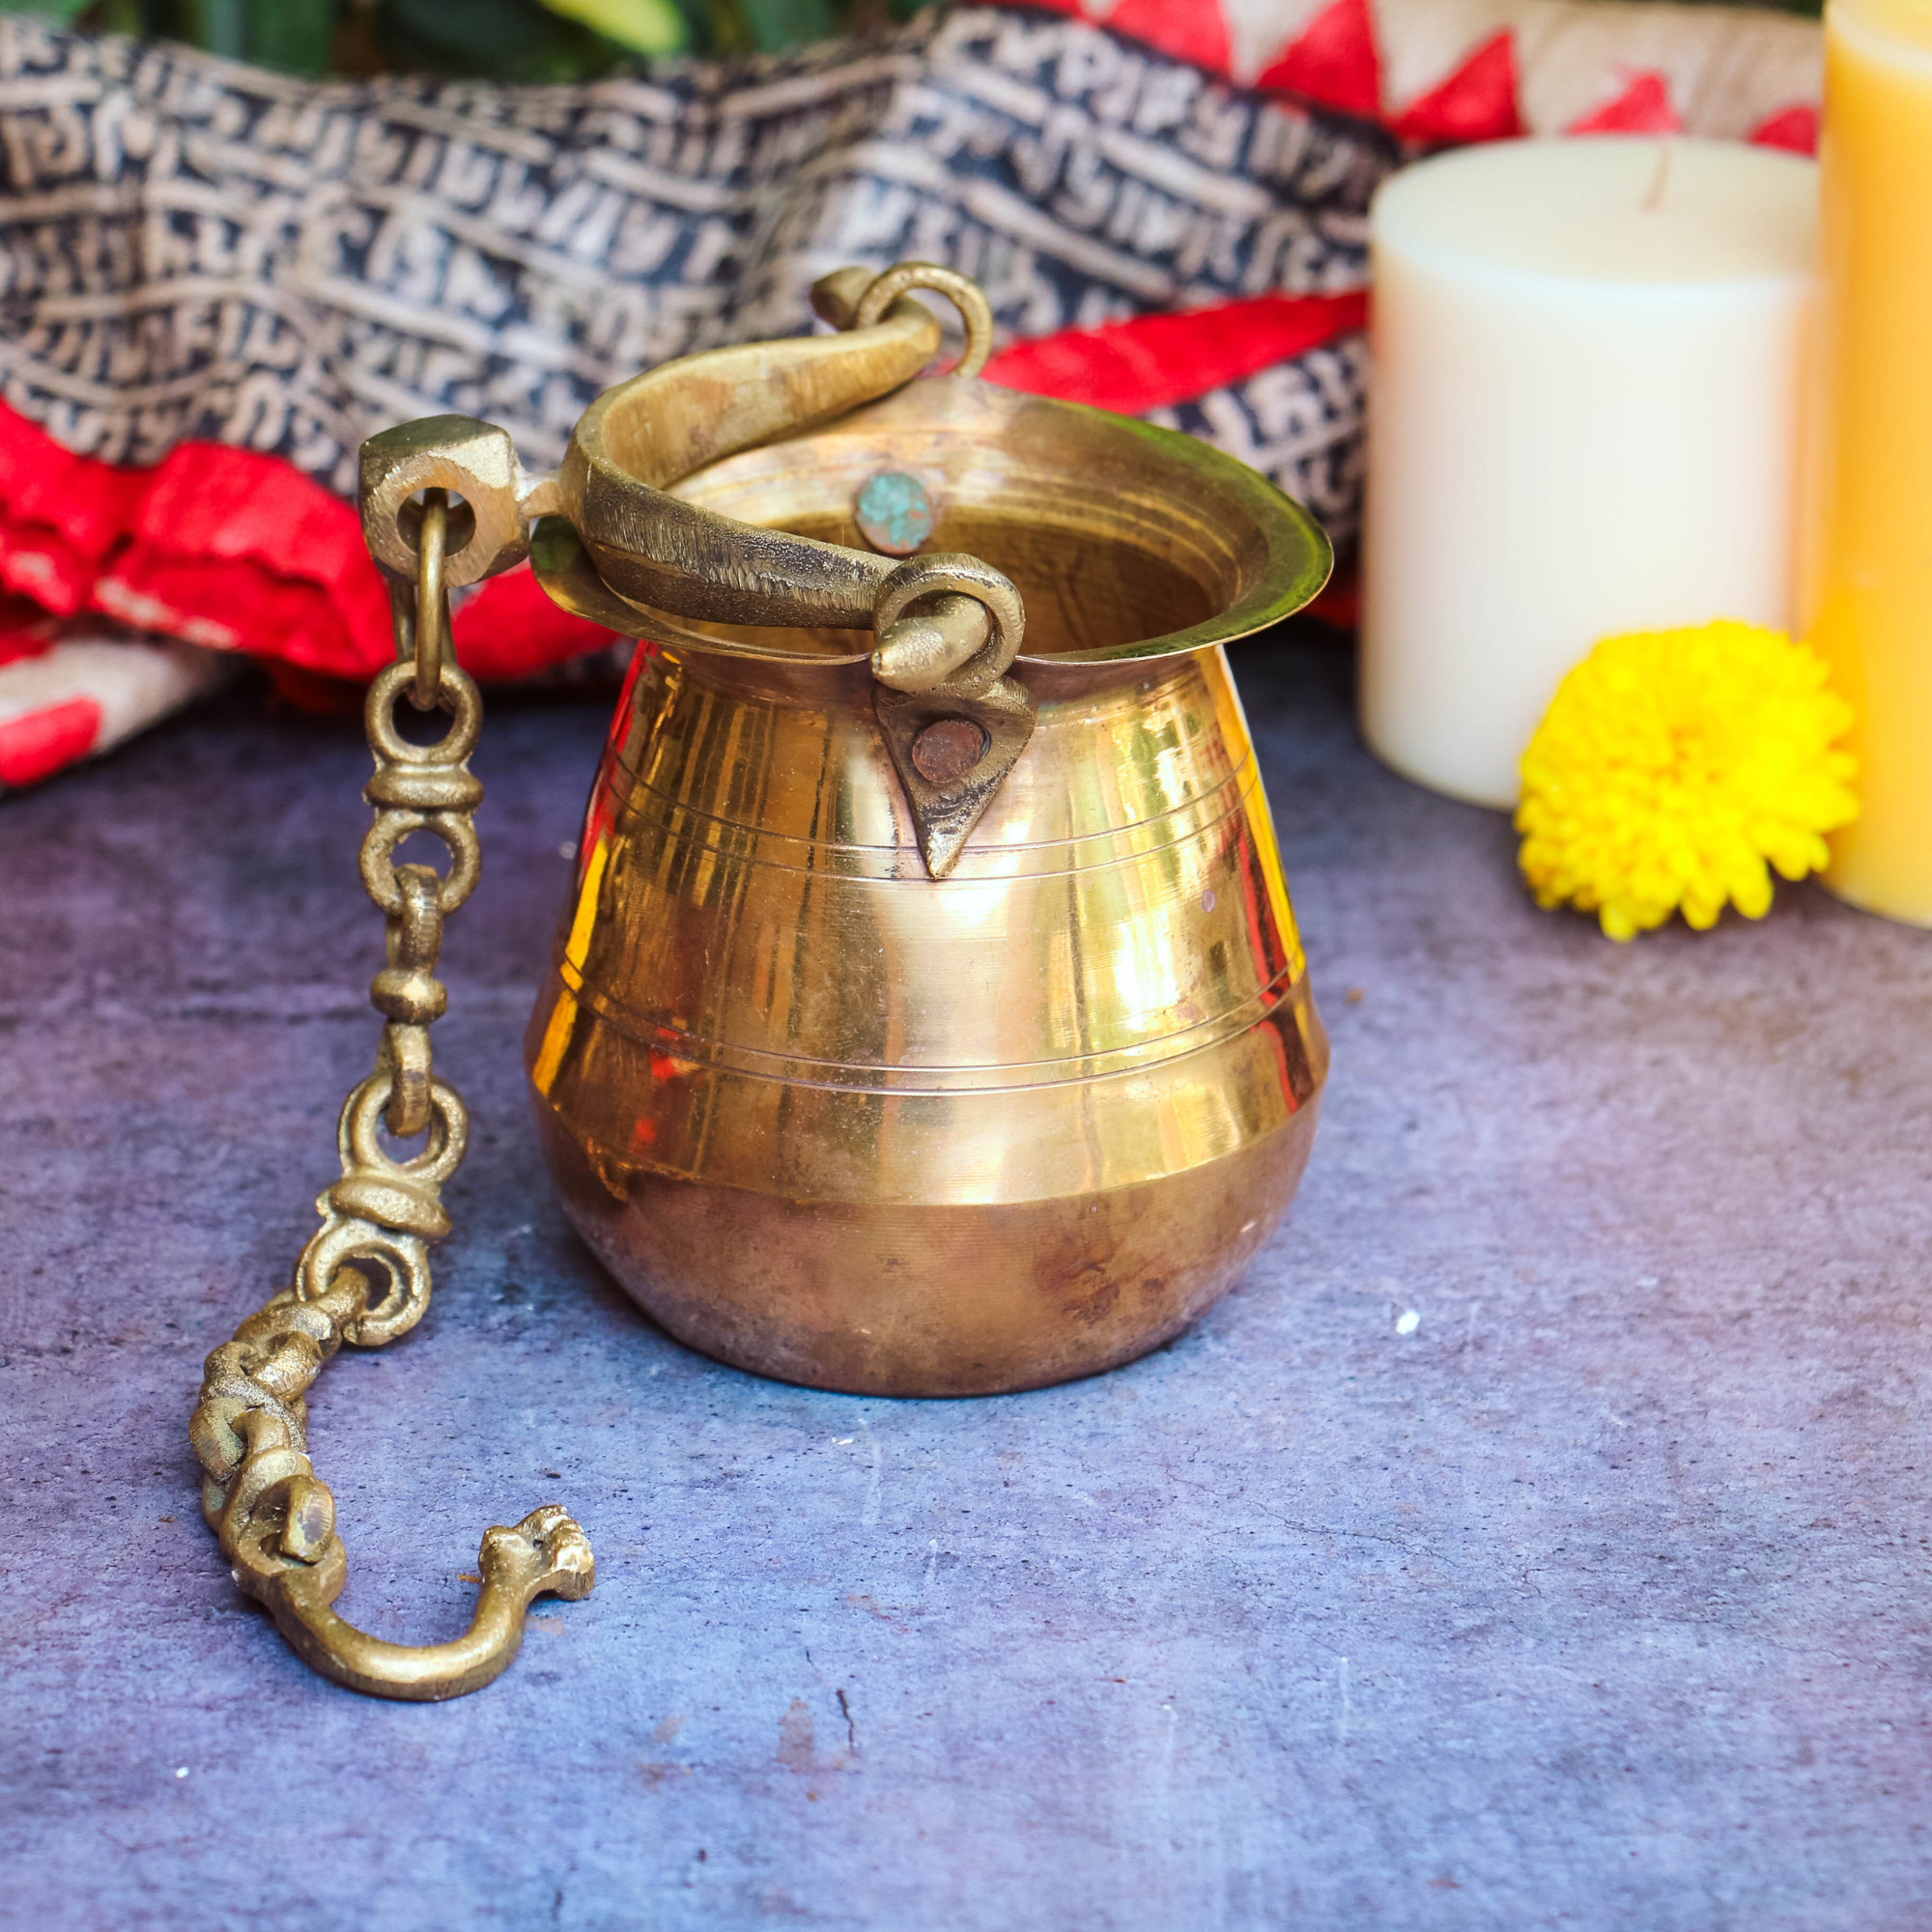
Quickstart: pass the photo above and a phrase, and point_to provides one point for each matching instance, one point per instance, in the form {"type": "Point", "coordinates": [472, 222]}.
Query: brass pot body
{"type": "Point", "coordinates": [834, 1121]}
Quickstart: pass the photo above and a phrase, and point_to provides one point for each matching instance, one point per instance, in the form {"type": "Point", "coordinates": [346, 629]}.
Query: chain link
{"type": "Point", "coordinates": [276, 1518]}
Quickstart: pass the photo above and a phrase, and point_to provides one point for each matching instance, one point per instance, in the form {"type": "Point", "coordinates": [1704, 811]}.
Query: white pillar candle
{"type": "Point", "coordinates": [1583, 416]}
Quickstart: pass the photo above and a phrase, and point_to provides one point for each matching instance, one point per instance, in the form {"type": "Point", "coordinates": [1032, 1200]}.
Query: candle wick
{"type": "Point", "coordinates": [1653, 199]}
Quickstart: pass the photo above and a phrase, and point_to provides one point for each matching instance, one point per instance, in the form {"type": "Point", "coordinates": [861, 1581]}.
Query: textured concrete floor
{"type": "Point", "coordinates": [1597, 1598]}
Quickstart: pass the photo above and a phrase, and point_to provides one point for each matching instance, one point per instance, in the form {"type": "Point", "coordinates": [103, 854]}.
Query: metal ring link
{"type": "Point", "coordinates": [284, 1314]}
{"type": "Point", "coordinates": [360, 1151]}
{"type": "Point", "coordinates": [402, 1196]}
{"type": "Point", "coordinates": [338, 1243]}
{"type": "Point", "coordinates": [457, 693]}
{"type": "Point", "coordinates": [256, 1557]}
{"type": "Point", "coordinates": [414, 938]}
{"type": "Point", "coordinates": [405, 1056]}
{"type": "Point", "coordinates": [276, 1477]}
{"type": "Point", "coordinates": [402, 1193]}
{"type": "Point", "coordinates": [285, 1366]}
{"type": "Point", "coordinates": [252, 1492]}
{"type": "Point", "coordinates": [432, 630]}
{"type": "Point", "coordinates": [229, 1394]}
{"type": "Point", "coordinates": [392, 827]}
{"type": "Point", "coordinates": [406, 990]}
{"type": "Point", "coordinates": [213, 1435]}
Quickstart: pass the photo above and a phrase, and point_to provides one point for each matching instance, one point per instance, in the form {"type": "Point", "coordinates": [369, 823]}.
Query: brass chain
{"type": "Point", "coordinates": [274, 1517]}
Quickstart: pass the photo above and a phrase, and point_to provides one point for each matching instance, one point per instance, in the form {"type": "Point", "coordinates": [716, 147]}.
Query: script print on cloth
{"type": "Point", "coordinates": [193, 249]}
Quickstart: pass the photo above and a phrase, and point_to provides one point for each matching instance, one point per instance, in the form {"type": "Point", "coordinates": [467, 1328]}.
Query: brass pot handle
{"type": "Point", "coordinates": [646, 550]}
{"type": "Point", "coordinates": [611, 543]}
{"type": "Point", "coordinates": [657, 552]}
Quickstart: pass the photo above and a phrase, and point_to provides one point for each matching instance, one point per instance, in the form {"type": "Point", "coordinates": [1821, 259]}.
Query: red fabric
{"type": "Point", "coordinates": [1477, 102]}
{"type": "Point", "coordinates": [38, 743]}
{"type": "Point", "coordinates": [1154, 360]}
{"type": "Point", "coordinates": [1643, 107]}
{"type": "Point", "coordinates": [1794, 128]}
{"type": "Point", "coordinates": [1331, 61]}
{"type": "Point", "coordinates": [36, 561]}
{"type": "Point", "coordinates": [1339, 601]}
{"type": "Point", "coordinates": [236, 552]}
{"type": "Point", "coordinates": [26, 631]}
{"type": "Point", "coordinates": [1194, 33]}
{"type": "Point", "coordinates": [60, 515]}
{"type": "Point", "coordinates": [242, 553]}
{"type": "Point", "coordinates": [43, 484]}
{"type": "Point", "coordinates": [1189, 30]}
{"type": "Point", "coordinates": [511, 629]}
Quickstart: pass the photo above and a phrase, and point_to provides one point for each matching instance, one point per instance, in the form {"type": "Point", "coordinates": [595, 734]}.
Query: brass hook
{"type": "Point", "coordinates": [260, 1492]}
{"type": "Point", "coordinates": [276, 1518]}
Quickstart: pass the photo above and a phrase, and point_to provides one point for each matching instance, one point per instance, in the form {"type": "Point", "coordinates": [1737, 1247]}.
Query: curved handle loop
{"type": "Point", "coordinates": [546, 1554]}
{"type": "Point", "coordinates": [967, 297]}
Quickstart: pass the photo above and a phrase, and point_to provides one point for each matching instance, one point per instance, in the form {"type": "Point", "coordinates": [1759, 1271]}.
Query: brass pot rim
{"type": "Point", "coordinates": [1290, 566]}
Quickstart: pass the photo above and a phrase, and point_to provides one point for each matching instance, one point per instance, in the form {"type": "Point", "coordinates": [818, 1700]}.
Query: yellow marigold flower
{"type": "Point", "coordinates": [1672, 765]}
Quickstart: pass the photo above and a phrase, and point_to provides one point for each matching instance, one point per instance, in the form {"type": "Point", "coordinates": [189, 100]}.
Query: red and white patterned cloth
{"type": "Point", "coordinates": [1436, 71]}
{"type": "Point", "coordinates": [214, 281]}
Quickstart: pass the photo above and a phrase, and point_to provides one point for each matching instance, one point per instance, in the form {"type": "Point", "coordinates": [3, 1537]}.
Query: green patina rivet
{"type": "Point", "coordinates": [894, 512]}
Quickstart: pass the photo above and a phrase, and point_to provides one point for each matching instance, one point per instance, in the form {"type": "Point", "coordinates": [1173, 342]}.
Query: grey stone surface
{"type": "Point", "coordinates": [1596, 1600]}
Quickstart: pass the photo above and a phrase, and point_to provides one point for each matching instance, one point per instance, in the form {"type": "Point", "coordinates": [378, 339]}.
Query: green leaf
{"type": "Point", "coordinates": [296, 36]}
{"type": "Point", "coordinates": [62, 11]}
{"type": "Point", "coordinates": [642, 26]}
{"type": "Point", "coordinates": [497, 39]}
{"type": "Point", "coordinates": [778, 24]}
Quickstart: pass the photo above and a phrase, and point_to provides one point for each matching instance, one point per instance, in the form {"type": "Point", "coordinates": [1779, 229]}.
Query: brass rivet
{"type": "Point", "coordinates": [948, 748]}
{"type": "Point", "coordinates": [894, 513]}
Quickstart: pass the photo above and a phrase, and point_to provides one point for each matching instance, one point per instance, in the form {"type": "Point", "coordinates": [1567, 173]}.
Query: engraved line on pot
{"type": "Point", "coordinates": [1288, 988]}
{"type": "Point", "coordinates": [1238, 1093]}
{"type": "Point", "coordinates": [1272, 948]}
{"type": "Point", "coordinates": [744, 843]}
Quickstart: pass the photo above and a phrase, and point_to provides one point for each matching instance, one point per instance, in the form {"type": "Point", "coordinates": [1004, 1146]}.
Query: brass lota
{"type": "Point", "coordinates": [928, 1015]}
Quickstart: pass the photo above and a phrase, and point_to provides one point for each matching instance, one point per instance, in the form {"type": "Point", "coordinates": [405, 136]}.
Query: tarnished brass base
{"type": "Point", "coordinates": [913, 1299]}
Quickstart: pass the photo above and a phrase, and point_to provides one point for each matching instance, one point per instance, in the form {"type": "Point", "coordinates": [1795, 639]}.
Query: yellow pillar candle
{"type": "Point", "coordinates": [1868, 569]}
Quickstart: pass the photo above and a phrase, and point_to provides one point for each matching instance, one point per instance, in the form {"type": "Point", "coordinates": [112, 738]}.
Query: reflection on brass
{"type": "Point", "coordinates": [947, 795]}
